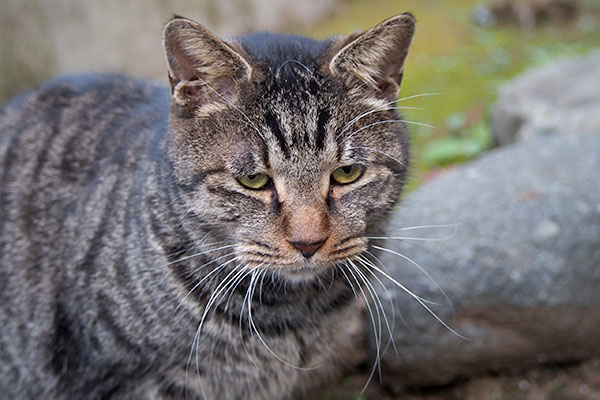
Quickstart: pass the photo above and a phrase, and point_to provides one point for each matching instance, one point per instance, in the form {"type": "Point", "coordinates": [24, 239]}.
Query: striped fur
{"type": "Point", "coordinates": [122, 221]}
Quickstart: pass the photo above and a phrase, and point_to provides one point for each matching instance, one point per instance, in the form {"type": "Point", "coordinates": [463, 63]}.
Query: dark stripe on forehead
{"type": "Point", "coordinates": [321, 122]}
{"type": "Point", "coordinates": [274, 126]}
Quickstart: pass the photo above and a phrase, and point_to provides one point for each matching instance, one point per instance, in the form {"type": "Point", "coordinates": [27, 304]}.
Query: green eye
{"type": "Point", "coordinates": [257, 181]}
{"type": "Point", "coordinates": [347, 174]}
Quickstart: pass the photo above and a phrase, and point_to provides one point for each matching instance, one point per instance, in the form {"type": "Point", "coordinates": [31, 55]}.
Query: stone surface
{"type": "Point", "coordinates": [520, 264]}
{"type": "Point", "coordinates": [563, 97]}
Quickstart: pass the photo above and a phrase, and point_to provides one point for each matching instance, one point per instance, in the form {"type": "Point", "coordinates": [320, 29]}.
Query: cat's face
{"type": "Point", "coordinates": [293, 163]}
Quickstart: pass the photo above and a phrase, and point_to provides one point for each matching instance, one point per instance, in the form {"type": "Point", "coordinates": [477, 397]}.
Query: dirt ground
{"type": "Point", "coordinates": [572, 381]}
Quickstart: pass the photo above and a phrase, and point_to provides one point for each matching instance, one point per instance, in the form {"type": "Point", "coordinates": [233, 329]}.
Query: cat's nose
{"type": "Point", "coordinates": [308, 248]}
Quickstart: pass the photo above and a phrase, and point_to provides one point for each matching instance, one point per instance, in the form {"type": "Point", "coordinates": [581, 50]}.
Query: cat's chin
{"type": "Point", "coordinates": [304, 272]}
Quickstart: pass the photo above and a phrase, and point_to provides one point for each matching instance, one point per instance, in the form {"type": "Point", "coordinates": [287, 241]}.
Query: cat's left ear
{"type": "Point", "coordinates": [202, 67]}
{"type": "Point", "coordinates": [376, 57]}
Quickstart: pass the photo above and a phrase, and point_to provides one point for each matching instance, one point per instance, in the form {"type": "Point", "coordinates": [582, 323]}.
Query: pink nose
{"type": "Point", "coordinates": [308, 248]}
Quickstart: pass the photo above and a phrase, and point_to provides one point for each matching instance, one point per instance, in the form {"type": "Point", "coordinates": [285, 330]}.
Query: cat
{"type": "Point", "coordinates": [201, 242]}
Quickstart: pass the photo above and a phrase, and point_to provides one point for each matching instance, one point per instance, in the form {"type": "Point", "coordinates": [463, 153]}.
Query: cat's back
{"type": "Point", "coordinates": [58, 140]}
{"type": "Point", "coordinates": [74, 110]}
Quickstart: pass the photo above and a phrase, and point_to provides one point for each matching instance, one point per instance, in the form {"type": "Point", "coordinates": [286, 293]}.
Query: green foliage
{"type": "Point", "coordinates": [458, 146]}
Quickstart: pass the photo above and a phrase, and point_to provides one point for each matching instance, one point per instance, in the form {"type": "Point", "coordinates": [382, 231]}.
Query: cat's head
{"type": "Point", "coordinates": [288, 148]}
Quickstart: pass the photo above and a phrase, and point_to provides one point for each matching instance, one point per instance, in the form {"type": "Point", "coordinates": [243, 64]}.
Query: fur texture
{"type": "Point", "coordinates": [135, 263]}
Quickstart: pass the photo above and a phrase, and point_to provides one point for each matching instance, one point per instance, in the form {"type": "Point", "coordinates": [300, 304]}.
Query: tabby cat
{"type": "Point", "coordinates": [197, 243]}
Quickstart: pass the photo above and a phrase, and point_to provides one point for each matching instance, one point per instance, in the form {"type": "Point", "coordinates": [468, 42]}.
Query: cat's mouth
{"type": "Point", "coordinates": [300, 268]}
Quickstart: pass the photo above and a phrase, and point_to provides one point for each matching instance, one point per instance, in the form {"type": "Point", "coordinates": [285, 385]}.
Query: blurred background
{"type": "Point", "coordinates": [462, 54]}
{"type": "Point", "coordinates": [459, 45]}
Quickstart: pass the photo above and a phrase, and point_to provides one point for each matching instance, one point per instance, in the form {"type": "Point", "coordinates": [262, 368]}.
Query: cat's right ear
{"type": "Point", "coordinates": [202, 67]}
{"type": "Point", "coordinates": [375, 58]}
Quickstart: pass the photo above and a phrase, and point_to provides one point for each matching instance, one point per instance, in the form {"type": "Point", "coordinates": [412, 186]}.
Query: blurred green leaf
{"type": "Point", "coordinates": [456, 148]}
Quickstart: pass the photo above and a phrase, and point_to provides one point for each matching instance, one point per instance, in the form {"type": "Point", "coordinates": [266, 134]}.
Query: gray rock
{"type": "Point", "coordinates": [563, 97]}
{"type": "Point", "coordinates": [520, 264]}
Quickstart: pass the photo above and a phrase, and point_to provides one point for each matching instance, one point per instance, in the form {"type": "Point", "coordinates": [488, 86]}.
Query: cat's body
{"type": "Point", "coordinates": [120, 229]}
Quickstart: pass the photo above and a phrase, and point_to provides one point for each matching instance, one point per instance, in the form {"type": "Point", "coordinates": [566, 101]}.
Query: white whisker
{"type": "Point", "coordinates": [381, 152]}
{"type": "Point", "coordinates": [377, 330]}
{"type": "Point", "coordinates": [390, 328]}
{"type": "Point", "coordinates": [264, 343]}
{"type": "Point", "coordinates": [410, 228]}
{"type": "Point", "coordinates": [419, 300]}
{"type": "Point", "coordinates": [419, 95]}
{"type": "Point", "coordinates": [410, 260]}
{"type": "Point", "coordinates": [389, 121]}
{"type": "Point", "coordinates": [188, 257]}
{"type": "Point", "coordinates": [219, 268]}
{"type": "Point", "coordinates": [384, 107]}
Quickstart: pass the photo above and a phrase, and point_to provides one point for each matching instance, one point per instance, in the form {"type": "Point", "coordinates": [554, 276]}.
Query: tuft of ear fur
{"type": "Point", "coordinates": [376, 57]}
{"type": "Point", "coordinates": [202, 67]}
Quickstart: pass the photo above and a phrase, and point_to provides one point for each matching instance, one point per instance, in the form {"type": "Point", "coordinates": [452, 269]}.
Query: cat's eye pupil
{"type": "Point", "coordinates": [347, 169]}
{"type": "Point", "coordinates": [251, 177]}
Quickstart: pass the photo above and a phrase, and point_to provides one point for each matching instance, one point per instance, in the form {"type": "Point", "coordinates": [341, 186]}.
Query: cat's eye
{"type": "Point", "coordinates": [347, 174]}
{"type": "Point", "coordinates": [255, 182]}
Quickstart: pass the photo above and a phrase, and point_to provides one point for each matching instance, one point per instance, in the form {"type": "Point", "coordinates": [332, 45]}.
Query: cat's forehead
{"type": "Point", "coordinates": [298, 120]}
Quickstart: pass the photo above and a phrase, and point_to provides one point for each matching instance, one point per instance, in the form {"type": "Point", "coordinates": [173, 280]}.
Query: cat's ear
{"type": "Point", "coordinates": [202, 67]}
{"type": "Point", "coordinates": [376, 57]}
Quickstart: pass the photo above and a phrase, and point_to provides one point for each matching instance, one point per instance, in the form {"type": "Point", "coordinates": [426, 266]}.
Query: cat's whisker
{"type": "Point", "coordinates": [241, 314]}
{"type": "Point", "coordinates": [390, 327]}
{"type": "Point", "coordinates": [419, 299]}
{"type": "Point", "coordinates": [388, 121]}
{"type": "Point", "coordinates": [247, 300]}
{"type": "Point", "coordinates": [197, 269]}
{"type": "Point", "coordinates": [196, 245]}
{"type": "Point", "coordinates": [415, 238]}
{"type": "Point", "coordinates": [187, 258]}
{"type": "Point", "coordinates": [419, 95]}
{"type": "Point", "coordinates": [260, 289]}
{"type": "Point", "coordinates": [376, 327]}
{"type": "Point", "coordinates": [381, 152]}
{"type": "Point", "coordinates": [226, 282]}
{"type": "Point", "coordinates": [264, 343]}
{"type": "Point", "coordinates": [231, 290]}
{"type": "Point", "coordinates": [378, 304]}
{"type": "Point", "coordinates": [383, 349]}
{"type": "Point", "coordinates": [384, 107]}
{"type": "Point", "coordinates": [214, 271]}
{"type": "Point", "coordinates": [348, 279]}
{"type": "Point", "coordinates": [410, 260]}
{"type": "Point", "coordinates": [410, 228]}
{"type": "Point", "coordinates": [424, 300]}
{"type": "Point", "coordinates": [426, 239]}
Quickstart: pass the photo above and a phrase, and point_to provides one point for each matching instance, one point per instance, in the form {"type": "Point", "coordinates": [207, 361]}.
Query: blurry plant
{"type": "Point", "coordinates": [461, 144]}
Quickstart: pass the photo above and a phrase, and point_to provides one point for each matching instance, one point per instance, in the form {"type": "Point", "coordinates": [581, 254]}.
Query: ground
{"type": "Point", "coordinates": [570, 381]}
